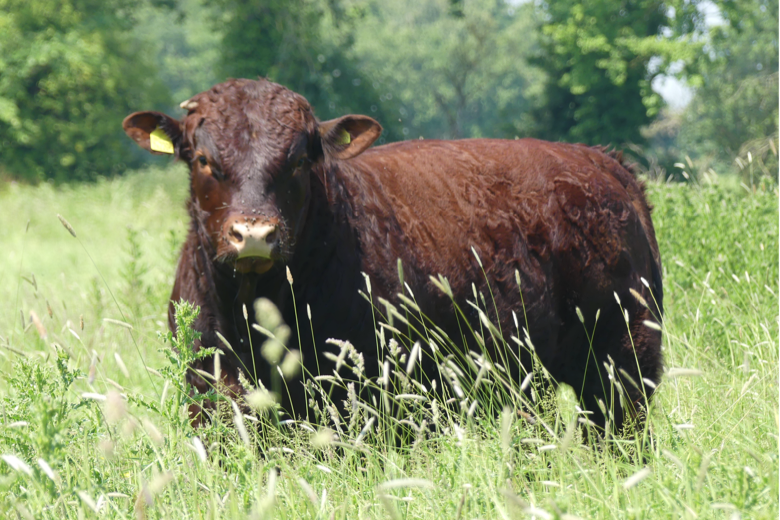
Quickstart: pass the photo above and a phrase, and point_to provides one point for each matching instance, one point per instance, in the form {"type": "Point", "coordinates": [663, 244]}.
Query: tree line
{"type": "Point", "coordinates": [70, 70]}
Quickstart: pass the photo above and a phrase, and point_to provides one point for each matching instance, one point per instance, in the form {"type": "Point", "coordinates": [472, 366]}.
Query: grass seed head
{"type": "Point", "coordinates": [506, 429]}
{"type": "Point", "coordinates": [153, 433]}
{"type": "Point", "coordinates": [226, 342]}
{"type": "Point", "coordinates": [107, 448]}
{"type": "Point", "coordinates": [200, 450]}
{"type": "Point", "coordinates": [476, 255]}
{"type": "Point", "coordinates": [472, 409]}
{"type": "Point", "coordinates": [118, 322]}
{"type": "Point", "coordinates": [309, 492]}
{"type": "Point", "coordinates": [638, 297]}
{"type": "Point", "coordinates": [684, 372]}
{"type": "Point", "coordinates": [636, 478]}
{"type": "Point", "coordinates": [651, 325]}
{"type": "Point", "coordinates": [406, 483]}
{"type": "Point", "coordinates": [88, 500]}
{"type": "Point", "coordinates": [323, 438]}
{"type": "Point", "coordinates": [159, 482]}
{"type": "Point", "coordinates": [291, 366]}
{"type": "Point", "coordinates": [413, 358]}
{"type": "Point", "coordinates": [368, 282]}
{"type": "Point", "coordinates": [385, 374]}
{"type": "Point", "coordinates": [115, 408]}
{"type": "Point", "coordinates": [92, 371]}
{"type": "Point", "coordinates": [129, 427]}
{"type": "Point", "coordinates": [272, 351]}
{"type": "Point", "coordinates": [526, 381]}
{"type": "Point", "coordinates": [217, 367]}
{"type": "Point", "coordinates": [365, 430]}
{"type": "Point", "coordinates": [266, 314]}
{"type": "Point", "coordinates": [38, 325]}
{"type": "Point", "coordinates": [238, 420]}
{"type": "Point", "coordinates": [67, 225]}
{"type": "Point", "coordinates": [48, 471]}
{"type": "Point", "coordinates": [17, 464]}
{"type": "Point", "coordinates": [166, 389]}
{"type": "Point", "coordinates": [260, 400]}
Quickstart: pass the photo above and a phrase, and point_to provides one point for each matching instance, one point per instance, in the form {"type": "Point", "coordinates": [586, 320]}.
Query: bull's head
{"type": "Point", "coordinates": [251, 147]}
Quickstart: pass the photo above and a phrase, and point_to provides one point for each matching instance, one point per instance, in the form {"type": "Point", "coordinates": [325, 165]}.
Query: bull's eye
{"type": "Point", "coordinates": [202, 160]}
{"type": "Point", "coordinates": [301, 163]}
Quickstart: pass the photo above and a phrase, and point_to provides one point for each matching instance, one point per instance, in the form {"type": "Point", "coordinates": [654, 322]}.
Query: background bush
{"type": "Point", "coordinates": [70, 70]}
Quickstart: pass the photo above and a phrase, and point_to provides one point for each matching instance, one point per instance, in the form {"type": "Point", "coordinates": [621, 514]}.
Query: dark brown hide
{"type": "Point", "coordinates": [572, 220]}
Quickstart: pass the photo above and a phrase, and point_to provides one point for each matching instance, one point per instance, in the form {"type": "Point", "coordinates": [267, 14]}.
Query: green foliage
{"type": "Point", "coordinates": [304, 45]}
{"type": "Point", "coordinates": [455, 69]}
{"type": "Point", "coordinates": [729, 267]}
{"type": "Point", "coordinates": [181, 353]}
{"type": "Point", "coordinates": [735, 108]}
{"type": "Point", "coordinates": [133, 271]}
{"type": "Point", "coordinates": [38, 404]}
{"type": "Point", "coordinates": [70, 70]}
{"type": "Point", "coordinates": [186, 47]}
{"type": "Point", "coordinates": [597, 56]}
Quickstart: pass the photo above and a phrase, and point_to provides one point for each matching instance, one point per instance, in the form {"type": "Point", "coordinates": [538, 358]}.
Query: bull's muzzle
{"type": "Point", "coordinates": [253, 240]}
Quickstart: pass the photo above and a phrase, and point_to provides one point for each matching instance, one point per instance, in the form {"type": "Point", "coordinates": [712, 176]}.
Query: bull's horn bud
{"type": "Point", "coordinates": [189, 104]}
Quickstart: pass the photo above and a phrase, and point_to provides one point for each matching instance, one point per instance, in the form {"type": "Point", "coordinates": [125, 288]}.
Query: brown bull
{"type": "Point", "coordinates": [274, 188]}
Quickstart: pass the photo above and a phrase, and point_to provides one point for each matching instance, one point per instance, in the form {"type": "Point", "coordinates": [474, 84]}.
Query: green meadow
{"type": "Point", "coordinates": [93, 416]}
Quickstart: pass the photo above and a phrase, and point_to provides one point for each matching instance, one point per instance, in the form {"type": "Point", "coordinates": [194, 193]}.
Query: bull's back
{"type": "Point", "coordinates": [557, 198]}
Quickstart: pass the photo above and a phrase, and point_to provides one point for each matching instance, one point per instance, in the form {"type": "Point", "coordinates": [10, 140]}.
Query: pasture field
{"type": "Point", "coordinates": [93, 424]}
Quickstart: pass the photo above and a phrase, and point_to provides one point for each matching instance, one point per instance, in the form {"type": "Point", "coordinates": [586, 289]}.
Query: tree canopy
{"type": "Point", "coordinates": [303, 44]}
{"type": "Point", "coordinates": [457, 69]}
{"type": "Point", "coordinates": [597, 57]}
{"type": "Point", "coordinates": [70, 70]}
{"type": "Point", "coordinates": [735, 109]}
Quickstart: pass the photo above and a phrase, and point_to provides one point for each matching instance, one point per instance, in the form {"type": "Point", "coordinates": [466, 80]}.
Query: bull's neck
{"type": "Point", "coordinates": [327, 265]}
{"type": "Point", "coordinates": [327, 235]}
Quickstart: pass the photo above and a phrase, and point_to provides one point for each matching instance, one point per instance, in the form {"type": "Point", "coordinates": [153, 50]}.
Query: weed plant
{"type": "Point", "coordinates": [93, 401]}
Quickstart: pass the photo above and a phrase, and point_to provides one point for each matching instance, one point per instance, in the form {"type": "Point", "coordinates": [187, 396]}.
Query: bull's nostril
{"type": "Point", "coordinates": [236, 235]}
{"type": "Point", "coordinates": [272, 236]}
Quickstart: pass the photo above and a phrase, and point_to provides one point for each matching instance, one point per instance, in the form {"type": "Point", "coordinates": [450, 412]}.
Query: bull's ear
{"type": "Point", "coordinates": [348, 136]}
{"type": "Point", "coordinates": [154, 132]}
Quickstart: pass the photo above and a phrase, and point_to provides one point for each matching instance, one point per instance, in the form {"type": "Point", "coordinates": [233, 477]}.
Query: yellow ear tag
{"type": "Point", "coordinates": [160, 142]}
{"type": "Point", "coordinates": [344, 138]}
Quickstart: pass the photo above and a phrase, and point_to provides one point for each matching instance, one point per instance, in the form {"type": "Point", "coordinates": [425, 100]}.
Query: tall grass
{"type": "Point", "coordinates": [92, 403]}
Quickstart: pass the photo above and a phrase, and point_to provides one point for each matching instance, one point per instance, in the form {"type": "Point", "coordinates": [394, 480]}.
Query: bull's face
{"type": "Point", "coordinates": [251, 147]}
